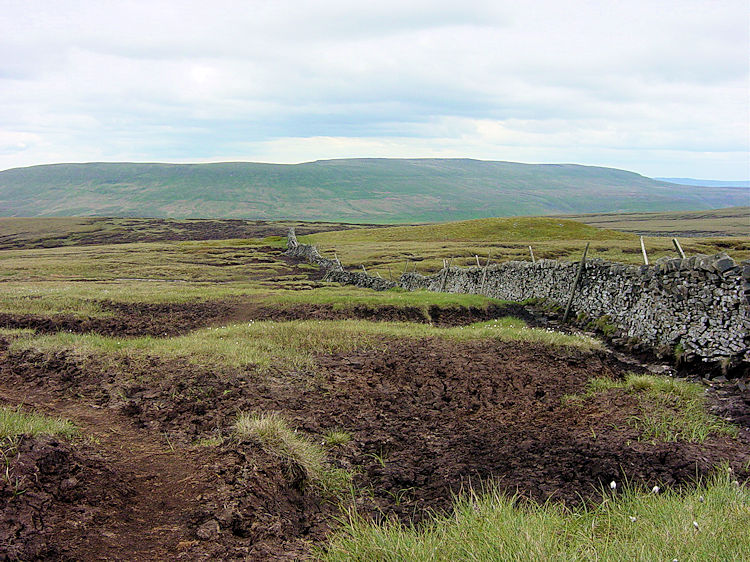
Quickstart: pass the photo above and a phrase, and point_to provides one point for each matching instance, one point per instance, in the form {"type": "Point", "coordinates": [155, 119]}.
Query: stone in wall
{"type": "Point", "coordinates": [698, 307]}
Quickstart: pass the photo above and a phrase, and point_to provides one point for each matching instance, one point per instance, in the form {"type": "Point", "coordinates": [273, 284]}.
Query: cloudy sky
{"type": "Point", "coordinates": [659, 87]}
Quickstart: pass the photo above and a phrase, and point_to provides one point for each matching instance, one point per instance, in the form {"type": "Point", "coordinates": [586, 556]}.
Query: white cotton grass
{"type": "Point", "coordinates": [613, 485]}
{"type": "Point", "coordinates": [655, 490]}
{"type": "Point", "coordinates": [633, 519]}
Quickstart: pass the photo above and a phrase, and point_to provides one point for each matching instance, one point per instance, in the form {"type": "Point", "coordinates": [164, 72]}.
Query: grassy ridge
{"type": "Point", "coordinates": [386, 250]}
{"type": "Point", "coordinates": [356, 190]}
{"type": "Point", "coordinates": [511, 229]}
{"type": "Point", "coordinates": [288, 345]}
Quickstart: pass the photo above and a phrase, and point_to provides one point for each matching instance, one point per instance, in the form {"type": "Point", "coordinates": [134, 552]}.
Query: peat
{"type": "Point", "coordinates": [428, 417]}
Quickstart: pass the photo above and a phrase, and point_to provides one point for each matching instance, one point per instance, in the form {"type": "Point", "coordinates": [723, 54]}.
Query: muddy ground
{"type": "Point", "coordinates": [173, 319]}
{"type": "Point", "coordinates": [428, 418]}
{"type": "Point", "coordinates": [157, 474]}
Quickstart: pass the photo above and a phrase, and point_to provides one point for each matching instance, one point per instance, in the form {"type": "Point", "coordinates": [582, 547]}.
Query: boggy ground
{"type": "Point", "coordinates": [427, 418]}
{"type": "Point", "coordinates": [172, 319]}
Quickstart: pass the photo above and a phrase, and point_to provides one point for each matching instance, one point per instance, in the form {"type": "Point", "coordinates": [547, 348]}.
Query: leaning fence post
{"type": "Point", "coordinates": [678, 248]}
{"type": "Point", "coordinates": [390, 275]}
{"type": "Point", "coordinates": [445, 275]}
{"type": "Point", "coordinates": [363, 269]}
{"type": "Point", "coordinates": [531, 250]}
{"type": "Point", "coordinates": [575, 283]}
{"type": "Point", "coordinates": [406, 266]}
{"type": "Point", "coordinates": [484, 273]}
{"type": "Point", "coordinates": [338, 261]}
{"type": "Point", "coordinates": [643, 249]}
{"type": "Point", "coordinates": [476, 256]}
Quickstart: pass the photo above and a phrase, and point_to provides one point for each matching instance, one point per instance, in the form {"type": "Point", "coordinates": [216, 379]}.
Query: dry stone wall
{"type": "Point", "coordinates": [698, 307]}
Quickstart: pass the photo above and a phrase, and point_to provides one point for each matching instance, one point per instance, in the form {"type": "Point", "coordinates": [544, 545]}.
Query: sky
{"type": "Point", "coordinates": [659, 87]}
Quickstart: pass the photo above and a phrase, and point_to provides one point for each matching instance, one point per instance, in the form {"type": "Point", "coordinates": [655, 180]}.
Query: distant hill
{"type": "Point", "coordinates": [707, 183]}
{"type": "Point", "coordinates": [353, 190]}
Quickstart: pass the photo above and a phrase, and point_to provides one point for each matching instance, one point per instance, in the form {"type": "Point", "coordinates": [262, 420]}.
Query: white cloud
{"type": "Point", "coordinates": [659, 86]}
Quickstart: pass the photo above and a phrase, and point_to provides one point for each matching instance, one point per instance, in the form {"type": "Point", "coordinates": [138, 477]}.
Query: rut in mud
{"type": "Point", "coordinates": [129, 494]}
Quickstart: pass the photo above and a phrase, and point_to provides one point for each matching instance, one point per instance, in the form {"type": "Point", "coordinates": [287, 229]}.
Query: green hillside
{"type": "Point", "coordinates": [357, 190]}
{"type": "Point", "coordinates": [508, 229]}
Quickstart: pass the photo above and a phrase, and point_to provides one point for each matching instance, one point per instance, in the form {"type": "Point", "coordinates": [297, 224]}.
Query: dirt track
{"type": "Point", "coordinates": [427, 419]}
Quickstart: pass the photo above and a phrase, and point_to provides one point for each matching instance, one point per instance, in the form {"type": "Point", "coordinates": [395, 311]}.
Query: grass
{"type": "Point", "coordinates": [14, 422]}
{"type": "Point", "coordinates": [345, 297]}
{"type": "Point", "coordinates": [336, 437]}
{"type": "Point", "coordinates": [670, 409]}
{"type": "Point", "coordinates": [214, 260]}
{"type": "Point", "coordinates": [734, 221]}
{"type": "Point", "coordinates": [709, 522]}
{"type": "Point", "coordinates": [276, 436]}
{"type": "Point", "coordinates": [85, 299]}
{"type": "Point", "coordinates": [425, 247]}
{"type": "Point", "coordinates": [291, 345]}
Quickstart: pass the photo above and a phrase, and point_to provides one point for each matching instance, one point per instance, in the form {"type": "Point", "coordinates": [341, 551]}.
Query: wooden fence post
{"type": "Point", "coordinates": [575, 283]}
{"type": "Point", "coordinates": [678, 248]}
{"type": "Point", "coordinates": [363, 269]}
{"type": "Point", "coordinates": [643, 249]}
{"type": "Point", "coordinates": [476, 256]}
{"type": "Point", "coordinates": [484, 273]}
{"type": "Point", "coordinates": [445, 275]}
{"type": "Point", "coordinates": [532, 254]}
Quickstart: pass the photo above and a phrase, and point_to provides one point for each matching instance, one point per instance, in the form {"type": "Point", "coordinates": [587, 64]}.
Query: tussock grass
{"type": "Point", "coordinates": [292, 345]}
{"type": "Point", "coordinates": [670, 409]}
{"type": "Point", "coordinates": [336, 437]}
{"type": "Point", "coordinates": [278, 438]}
{"type": "Point", "coordinates": [710, 522]}
{"type": "Point", "coordinates": [14, 422]}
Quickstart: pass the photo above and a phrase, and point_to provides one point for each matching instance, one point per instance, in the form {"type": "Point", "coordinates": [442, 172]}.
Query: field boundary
{"type": "Point", "coordinates": [696, 308]}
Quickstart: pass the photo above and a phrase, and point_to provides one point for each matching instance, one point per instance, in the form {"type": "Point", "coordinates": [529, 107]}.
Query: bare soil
{"type": "Point", "coordinates": [428, 418]}
{"type": "Point", "coordinates": [167, 320]}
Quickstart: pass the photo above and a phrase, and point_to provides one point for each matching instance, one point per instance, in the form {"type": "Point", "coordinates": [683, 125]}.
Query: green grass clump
{"type": "Point", "coordinates": [604, 325]}
{"type": "Point", "coordinates": [710, 522]}
{"type": "Point", "coordinates": [14, 422]}
{"type": "Point", "coordinates": [275, 436]}
{"type": "Point", "coordinates": [291, 345]}
{"type": "Point", "coordinates": [336, 437]}
{"type": "Point", "coordinates": [670, 409]}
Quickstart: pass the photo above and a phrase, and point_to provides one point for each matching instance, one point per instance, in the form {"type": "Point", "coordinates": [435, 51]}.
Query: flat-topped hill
{"type": "Point", "coordinates": [353, 190]}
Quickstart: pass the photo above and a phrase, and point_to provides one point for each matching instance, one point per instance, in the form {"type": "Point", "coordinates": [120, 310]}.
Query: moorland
{"type": "Point", "coordinates": [182, 389]}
